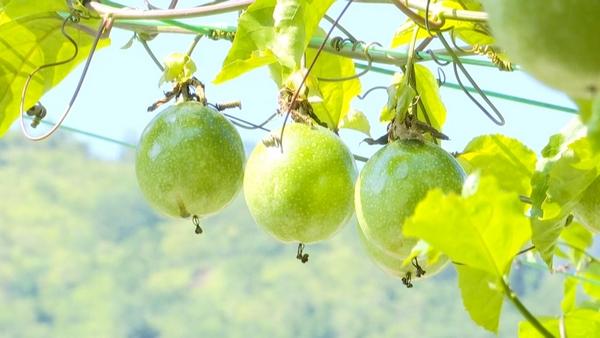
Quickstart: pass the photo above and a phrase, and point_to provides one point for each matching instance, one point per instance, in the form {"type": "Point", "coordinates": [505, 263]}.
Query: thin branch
{"type": "Point", "coordinates": [151, 54]}
{"type": "Point", "coordinates": [218, 7]}
{"type": "Point", "coordinates": [524, 311]}
{"type": "Point", "coordinates": [438, 9]}
{"type": "Point", "coordinates": [419, 20]}
{"type": "Point", "coordinates": [208, 10]}
{"type": "Point", "coordinates": [341, 28]}
{"type": "Point", "coordinates": [193, 45]}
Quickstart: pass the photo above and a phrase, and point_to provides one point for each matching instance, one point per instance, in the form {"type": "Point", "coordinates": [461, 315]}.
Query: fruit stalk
{"type": "Point", "coordinates": [524, 311]}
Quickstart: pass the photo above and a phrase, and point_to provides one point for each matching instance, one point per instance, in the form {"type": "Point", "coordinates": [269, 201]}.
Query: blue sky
{"type": "Point", "coordinates": [122, 83]}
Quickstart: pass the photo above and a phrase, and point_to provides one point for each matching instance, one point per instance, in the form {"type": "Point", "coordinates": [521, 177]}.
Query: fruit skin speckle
{"type": "Point", "coordinates": [189, 161]}
{"type": "Point", "coordinates": [391, 185]}
{"type": "Point", "coordinates": [555, 40]}
{"type": "Point", "coordinates": [304, 194]}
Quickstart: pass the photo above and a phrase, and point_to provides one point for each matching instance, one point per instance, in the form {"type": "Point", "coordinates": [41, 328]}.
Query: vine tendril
{"type": "Point", "coordinates": [104, 25]}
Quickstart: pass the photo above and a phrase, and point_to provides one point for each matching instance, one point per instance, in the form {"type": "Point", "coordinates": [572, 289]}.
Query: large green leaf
{"type": "Point", "coordinates": [481, 296]}
{"type": "Point", "coordinates": [295, 23]}
{"type": "Point", "coordinates": [272, 31]}
{"type": "Point", "coordinates": [15, 9]}
{"type": "Point", "coordinates": [559, 184]}
{"type": "Point", "coordinates": [252, 40]}
{"type": "Point", "coordinates": [579, 323]}
{"type": "Point", "coordinates": [483, 229]}
{"type": "Point", "coordinates": [429, 93]}
{"type": "Point", "coordinates": [505, 158]}
{"type": "Point", "coordinates": [30, 41]}
{"type": "Point", "coordinates": [331, 99]}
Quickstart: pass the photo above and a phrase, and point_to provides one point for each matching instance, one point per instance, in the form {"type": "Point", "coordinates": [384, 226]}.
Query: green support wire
{"type": "Point", "coordinates": [382, 55]}
{"type": "Point", "coordinates": [490, 93]}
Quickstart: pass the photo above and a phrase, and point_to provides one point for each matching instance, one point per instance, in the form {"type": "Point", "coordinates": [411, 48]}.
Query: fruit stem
{"type": "Point", "coordinates": [524, 311]}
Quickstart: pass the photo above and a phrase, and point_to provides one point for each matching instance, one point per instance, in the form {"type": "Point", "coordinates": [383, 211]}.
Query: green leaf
{"type": "Point", "coordinates": [31, 41]}
{"type": "Point", "coordinates": [592, 273]}
{"type": "Point", "coordinates": [483, 229]}
{"type": "Point", "coordinates": [16, 9]}
{"type": "Point", "coordinates": [481, 296]}
{"type": "Point", "coordinates": [579, 323]}
{"type": "Point", "coordinates": [593, 124]}
{"type": "Point", "coordinates": [429, 93]}
{"type": "Point", "coordinates": [331, 99]}
{"type": "Point", "coordinates": [558, 186]}
{"type": "Point", "coordinates": [250, 48]}
{"type": "Point", "coordinates": [569, 295]}
{"type": "Point", "coordinates": [545, 234]}
{"type": "Point", "coordinates": [473, 33]}
{"type": "Point", "coordinates": [356, 120]}
{"type": "Point", "coordinates": [559, 143]}
{"type": "Point", "coordinates": [179, 67]}
{"type": "Point", "coordinates": [505, 158]}
{"type": "Point", "coordinates": [404, 34]}
{"type": "Point", "coordinates": [577, 236]}
{"type": "Point", "coordinates": [400, 96]}
{"type": "Point", "coordinates": [271, 31]}
{"type": "Point", "coordinates": [295, 23]}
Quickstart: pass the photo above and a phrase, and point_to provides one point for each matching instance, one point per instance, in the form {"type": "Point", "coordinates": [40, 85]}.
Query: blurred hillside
{"type": "Point", "coordinates": [82, 255]}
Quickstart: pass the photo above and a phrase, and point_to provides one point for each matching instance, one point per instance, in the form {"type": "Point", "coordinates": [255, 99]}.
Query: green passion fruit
{"type": "Point", "coordinates": [189, 161]}
{"type": "Point", "coordinates": [587, 209]}
{"type": "Point", "coordinates": [554, 40]}
{"type": "Point", "coordinates": [303, 192]}
{"type": "Point", "coordinates": [391, 185]}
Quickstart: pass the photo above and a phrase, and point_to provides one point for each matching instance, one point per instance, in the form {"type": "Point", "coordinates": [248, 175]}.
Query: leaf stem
{"type": "Point", "coordinates": [524, 311]}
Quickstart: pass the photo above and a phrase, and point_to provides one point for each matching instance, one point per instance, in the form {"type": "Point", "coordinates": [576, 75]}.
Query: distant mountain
{"type": "Point", "coordinates": [82, 255]}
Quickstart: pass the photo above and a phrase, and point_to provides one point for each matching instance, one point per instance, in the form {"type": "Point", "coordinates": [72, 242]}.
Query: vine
{"type": "Point", "coordinates": [537, 197]}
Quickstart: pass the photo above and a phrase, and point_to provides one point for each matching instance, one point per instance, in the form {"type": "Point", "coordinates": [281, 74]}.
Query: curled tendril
{"type": "Point", "coordinates": [104, 25]}
{"type": "Point", "coordinates": [441, 78]}
{"type": "Point", "coordinates": [495, 116]}
{"type": "Point", "coordinates": [364, 71]}
{"type": "Point", "coordinates": [435, 59]}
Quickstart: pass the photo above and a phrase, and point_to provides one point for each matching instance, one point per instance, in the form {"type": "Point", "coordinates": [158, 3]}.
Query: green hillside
{"type": "Point", "coordinates": [82, 255]}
